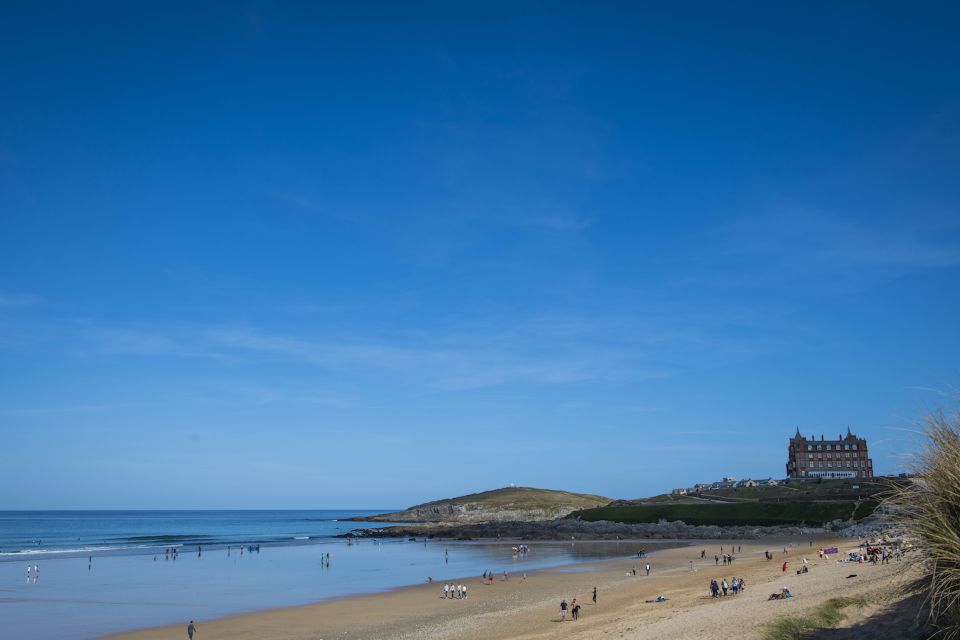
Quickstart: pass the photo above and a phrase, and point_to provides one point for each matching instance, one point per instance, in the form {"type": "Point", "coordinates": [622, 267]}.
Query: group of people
{"type": "Point", "coordinates": [783, 594]}
{"type": "Point", "coordinates": [454, 591]}
{"type": "Point", "coordinates": [488, 577]}
{"type": "Point", "coordinates": [722, 588]}
{"type": "Point", "coordinates": [574, 608]}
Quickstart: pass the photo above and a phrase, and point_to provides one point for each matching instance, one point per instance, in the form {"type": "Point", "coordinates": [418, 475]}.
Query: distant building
{"type": "Point", "coordinates": [845, 457]}
{"type": "Point", "coordinates": [747, 482]}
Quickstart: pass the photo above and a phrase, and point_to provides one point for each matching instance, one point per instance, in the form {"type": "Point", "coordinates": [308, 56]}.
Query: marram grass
{"type": "Point", "coordinates": [928, 508]}
{"type": "Point", "coordinates": [826, 616]}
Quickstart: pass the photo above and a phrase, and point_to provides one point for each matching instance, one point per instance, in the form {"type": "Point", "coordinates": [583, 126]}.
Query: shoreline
{"type": "Point", "coordinates": [524, 606]}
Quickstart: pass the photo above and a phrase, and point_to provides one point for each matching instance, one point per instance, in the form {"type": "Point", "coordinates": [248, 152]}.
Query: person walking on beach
{"type": "Point", "coordinates": [647, 568]}
{"type": "Point", "coordinates": [574, 609]}
{"type": "Point", "coordinates": [446, 590]}
{"type": "Point", "coordinates": [563, 610]}
{"type": "Point", "coordinates": [191, 629]}
{"type": "Point", "coordinates": [594, 595]}
{"type": "Point", "coordinates": [463, 591]}
{"type": "Point", "coordinates": [784, 568]}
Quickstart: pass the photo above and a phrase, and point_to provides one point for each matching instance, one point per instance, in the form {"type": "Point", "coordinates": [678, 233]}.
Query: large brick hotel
{"type": "Point", "coordinates": [841, 458]}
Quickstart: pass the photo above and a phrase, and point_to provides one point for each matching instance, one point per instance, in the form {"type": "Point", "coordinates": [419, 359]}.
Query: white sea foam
{"type": "Point", "coordinates": [49, 552]}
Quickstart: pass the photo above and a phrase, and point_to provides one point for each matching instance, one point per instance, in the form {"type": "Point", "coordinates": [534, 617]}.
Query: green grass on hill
{"type": "Point", "coordinates": [522, 498]}
{"type": "Point", "coordinates": [739, 514]}
{"type": "Point", "coordinates": [807, 490]}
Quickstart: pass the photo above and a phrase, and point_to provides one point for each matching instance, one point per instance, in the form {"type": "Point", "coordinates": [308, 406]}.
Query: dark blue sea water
{"type": "Point", "coordinates": [62, 533]}
{"type": "Point", "coordinates": [132, 583]}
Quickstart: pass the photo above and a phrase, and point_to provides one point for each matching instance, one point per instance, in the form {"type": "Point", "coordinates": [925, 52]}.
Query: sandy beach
{"type": "Point", "coordinates": [529, 608]}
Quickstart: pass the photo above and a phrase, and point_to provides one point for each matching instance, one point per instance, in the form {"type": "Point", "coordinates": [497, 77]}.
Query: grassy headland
{"type": "Point", "coordinates": [732, 514]}
{"type": "Point", "coordinates": [508, 503]}
{"type": "Point", "coordinates": [812, 503]}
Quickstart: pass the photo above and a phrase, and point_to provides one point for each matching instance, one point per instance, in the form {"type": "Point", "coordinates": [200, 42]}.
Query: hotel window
{"type": "Point", "coordinates": [809, 447]}
{"type": "Point", "coordinates": [810, 455]}
{"type": "Point", "coordinates": [829, 465]}
{"type": "Point", "coordinates": [854, 447]}
{"type": "Point", "coordinates": [819, 447]}
{"type": "Point", "coordinates": [846, 447]}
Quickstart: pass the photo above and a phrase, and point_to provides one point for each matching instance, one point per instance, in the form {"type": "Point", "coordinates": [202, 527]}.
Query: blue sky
{"type": "Point", "coordinates": [274, 254]}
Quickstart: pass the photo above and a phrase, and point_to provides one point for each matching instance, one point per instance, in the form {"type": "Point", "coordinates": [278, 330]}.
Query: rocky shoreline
{"type": "Point", "coordinates": [575, 529]}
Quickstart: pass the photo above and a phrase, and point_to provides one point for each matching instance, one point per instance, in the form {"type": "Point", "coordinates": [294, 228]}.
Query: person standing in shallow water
{"type": "Point", "coordinates": [191, 629]}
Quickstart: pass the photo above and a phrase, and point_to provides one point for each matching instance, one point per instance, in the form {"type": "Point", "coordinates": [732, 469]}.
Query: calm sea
{"type": "Point", "coordinates": [132, 583]}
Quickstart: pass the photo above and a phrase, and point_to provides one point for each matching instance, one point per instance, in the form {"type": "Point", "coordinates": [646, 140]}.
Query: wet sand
{"type": "Point", "coordinates": [528, 609]}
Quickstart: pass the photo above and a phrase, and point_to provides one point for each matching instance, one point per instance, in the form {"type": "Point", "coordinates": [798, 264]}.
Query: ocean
{"type": "Point", "coordinates": [65, 533]}
{"type": "Point", "coordinates": [132, 583]}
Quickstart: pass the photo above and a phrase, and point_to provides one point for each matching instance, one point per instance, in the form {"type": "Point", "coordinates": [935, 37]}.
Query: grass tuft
{"type": "Point", "coordinates": [929, 509]}
{"type": "Point", "coordinates": [828, 615]}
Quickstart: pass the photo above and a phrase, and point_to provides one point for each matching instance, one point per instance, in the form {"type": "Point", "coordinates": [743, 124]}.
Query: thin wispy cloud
{"type": "Point", "coordinates": [441, 367]}
{"type": "Point", "coordinates": [800, 250]}
{"type": "Point", "coordinates": [43, 411]}
{"type": "Point", "coordinates": [18, 299]}
{"type": "Point", "coordinates": [804, 240]}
